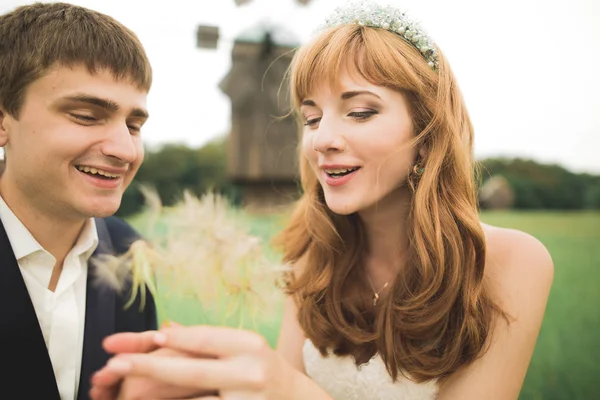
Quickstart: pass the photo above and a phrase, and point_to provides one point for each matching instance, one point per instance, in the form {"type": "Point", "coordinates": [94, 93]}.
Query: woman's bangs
{"type": "Point", "coordinates": [322, 62]}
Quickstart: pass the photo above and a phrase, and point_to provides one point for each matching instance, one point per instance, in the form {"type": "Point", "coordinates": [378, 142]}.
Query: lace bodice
{"type": "Point", "coordinates": [340, 377]}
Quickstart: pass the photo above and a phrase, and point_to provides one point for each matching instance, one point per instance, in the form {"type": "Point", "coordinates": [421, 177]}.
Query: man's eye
{"type": "Point", "coordinates": [134, 128]}
{"type": "Point", "coordinates": [312, 122]}
{"type": "Point", "coordinates": [83, 118]}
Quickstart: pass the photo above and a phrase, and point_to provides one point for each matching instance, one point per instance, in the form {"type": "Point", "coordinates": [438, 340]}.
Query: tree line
{"type": "Point", "coordinates": [173, 168]}
{"type": "Point", "coordinates": [544, 186]}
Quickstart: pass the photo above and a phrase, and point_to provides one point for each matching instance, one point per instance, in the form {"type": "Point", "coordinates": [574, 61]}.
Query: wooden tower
{"type": "Point", "coordinates": [262, 144]}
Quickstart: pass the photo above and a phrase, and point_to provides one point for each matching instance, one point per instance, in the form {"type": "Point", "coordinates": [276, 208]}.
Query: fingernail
{"type": "Point", "coordinates": [160, 338]}
{"type": "Point", "coordinates": [119, 366]}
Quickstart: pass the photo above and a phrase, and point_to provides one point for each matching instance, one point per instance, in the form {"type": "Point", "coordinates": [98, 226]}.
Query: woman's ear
{"type": "Point", "coordinates": [422, 152]}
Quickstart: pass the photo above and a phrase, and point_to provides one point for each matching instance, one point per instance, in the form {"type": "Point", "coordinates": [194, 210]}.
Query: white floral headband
{"type": "Point", "coordinates": [367, 13]}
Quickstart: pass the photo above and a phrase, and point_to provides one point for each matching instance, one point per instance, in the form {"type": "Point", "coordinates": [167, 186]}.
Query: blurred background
{"type": "Point", "coordinates": [528, 71]}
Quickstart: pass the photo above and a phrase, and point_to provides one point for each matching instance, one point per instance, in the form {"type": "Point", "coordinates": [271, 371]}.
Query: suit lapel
{"type": "Point", "coordinates": [24, 352]}
{"type": "Point", "coordinates": [99, 315]}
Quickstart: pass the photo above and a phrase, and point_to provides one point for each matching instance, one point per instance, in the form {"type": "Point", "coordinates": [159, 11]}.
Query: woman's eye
{"type": "Point", "coordinates": [312, 122]}
{"type": "Point", "coordinates": [362, 115]}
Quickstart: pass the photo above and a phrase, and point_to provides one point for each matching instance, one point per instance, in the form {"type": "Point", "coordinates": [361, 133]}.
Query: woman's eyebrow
{"type": "Point", "coordinates": [354, 93]}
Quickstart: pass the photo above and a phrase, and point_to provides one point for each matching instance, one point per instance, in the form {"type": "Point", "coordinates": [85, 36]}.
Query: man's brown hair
{"type": "Point", "coordinates": [37, 37]}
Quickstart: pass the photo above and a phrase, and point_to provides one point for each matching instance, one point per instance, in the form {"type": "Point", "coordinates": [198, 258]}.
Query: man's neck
{"type": "Point", "coordinates": [55, 233]}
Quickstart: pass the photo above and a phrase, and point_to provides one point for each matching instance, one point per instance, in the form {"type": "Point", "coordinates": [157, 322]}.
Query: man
{"type": "Point", "coordinates": [73, 93]}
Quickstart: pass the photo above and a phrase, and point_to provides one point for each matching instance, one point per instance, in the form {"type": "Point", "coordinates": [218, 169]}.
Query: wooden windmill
{"type": "Point", "coordinates": [262, 143]}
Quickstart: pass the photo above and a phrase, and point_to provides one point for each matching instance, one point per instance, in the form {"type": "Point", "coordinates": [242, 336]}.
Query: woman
{"type": "Point", "coordinates": [398, 290]}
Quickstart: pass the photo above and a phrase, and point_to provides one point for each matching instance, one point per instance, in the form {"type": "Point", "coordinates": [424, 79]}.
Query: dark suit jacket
{"type": "Point", "coordinates": [24, 361]}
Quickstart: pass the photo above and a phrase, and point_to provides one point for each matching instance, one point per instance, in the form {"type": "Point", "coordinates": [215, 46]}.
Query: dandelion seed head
{"type": "Point", "coordinates": [200, 248]}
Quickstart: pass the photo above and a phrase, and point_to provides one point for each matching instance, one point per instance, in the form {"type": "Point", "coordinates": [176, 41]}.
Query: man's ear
{"type": "Point", "coordinates": [3, 128]}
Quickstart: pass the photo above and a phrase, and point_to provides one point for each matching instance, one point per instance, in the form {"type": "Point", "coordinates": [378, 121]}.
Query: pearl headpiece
{"type": "Point", "coordinates": [367, 13]}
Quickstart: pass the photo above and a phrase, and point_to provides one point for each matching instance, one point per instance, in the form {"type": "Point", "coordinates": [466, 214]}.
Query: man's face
{"type": "Point", "coordinates": [76, 144]}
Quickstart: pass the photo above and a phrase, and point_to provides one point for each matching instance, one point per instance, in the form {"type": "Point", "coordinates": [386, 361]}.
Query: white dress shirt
{"type": "Point", "coordinates": [61, 314]}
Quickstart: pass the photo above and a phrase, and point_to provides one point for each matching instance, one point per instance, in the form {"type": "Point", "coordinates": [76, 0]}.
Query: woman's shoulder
{"type": "Point", "coordinates": [508, 247]}
{"type": "Point", "coordinates": [518, 265]}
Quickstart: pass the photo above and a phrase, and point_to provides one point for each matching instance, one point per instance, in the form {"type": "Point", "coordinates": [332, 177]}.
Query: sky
{"type": "Point", "coordinates": [529, 70]}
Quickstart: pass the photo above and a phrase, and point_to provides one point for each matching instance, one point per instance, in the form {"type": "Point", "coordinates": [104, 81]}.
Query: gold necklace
{"type": "Point", "coordinates": [375, 292]}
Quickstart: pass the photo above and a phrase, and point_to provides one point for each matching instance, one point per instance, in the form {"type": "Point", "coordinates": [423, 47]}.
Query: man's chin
{"type": "Point", "coordinates": [101, 210]}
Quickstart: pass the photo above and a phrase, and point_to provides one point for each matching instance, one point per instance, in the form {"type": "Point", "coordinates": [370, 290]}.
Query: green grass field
{"type": "Point", "coordinates": [565, 363]}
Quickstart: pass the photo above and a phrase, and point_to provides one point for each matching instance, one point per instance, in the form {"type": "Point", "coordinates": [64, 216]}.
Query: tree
{"type": "Point", "coordinates": [542, 186]}
{"type": "Point", "coordinates": [174, 168]}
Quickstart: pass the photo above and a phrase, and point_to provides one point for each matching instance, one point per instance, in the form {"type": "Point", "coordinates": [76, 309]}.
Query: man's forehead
{"type": "Point", "coordinates": [79, 74]}
{"type": "Point", "coordinates": [78, 84]}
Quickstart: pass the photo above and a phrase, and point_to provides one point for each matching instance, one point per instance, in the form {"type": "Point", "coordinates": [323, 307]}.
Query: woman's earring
{"type": "Point", "coordinates": [418, 169]}
{"type": "Point", "coordinates": [414, 178]}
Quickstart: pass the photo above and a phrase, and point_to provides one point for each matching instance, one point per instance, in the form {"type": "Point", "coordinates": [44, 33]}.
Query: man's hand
{"type": "Point", "coordinates": [234, 363]}
{"type": "Point", "coordinates": [108, 385]}
{"type": "Point", "coordinates": [105, 383]}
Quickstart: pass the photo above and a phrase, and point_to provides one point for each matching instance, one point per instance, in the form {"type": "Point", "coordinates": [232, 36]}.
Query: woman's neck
{"type": "Point", "coordinates": [386, 231]}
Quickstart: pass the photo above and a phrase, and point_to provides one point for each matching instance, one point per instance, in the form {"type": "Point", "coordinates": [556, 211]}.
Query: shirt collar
{"type": "Point", "coordinates": [21, 240]}
{"type": "Point", "coordinates": [88, 239]}
{"type": "Point", "coordinates": [24, 244]}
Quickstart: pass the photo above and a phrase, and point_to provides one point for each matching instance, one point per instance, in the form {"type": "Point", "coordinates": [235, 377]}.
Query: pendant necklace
{"type": "Point", "coordinates": [375, 292]}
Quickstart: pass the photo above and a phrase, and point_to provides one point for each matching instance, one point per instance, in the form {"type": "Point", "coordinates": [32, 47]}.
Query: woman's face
{"type": "Point", "coordinates": [356, 139]}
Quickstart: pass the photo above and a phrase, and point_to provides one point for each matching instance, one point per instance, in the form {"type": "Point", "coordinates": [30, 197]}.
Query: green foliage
{"type": "Point", "coordinates": [592, 194]}
{"type": "Point", "coordinates": [545, 186]}
{"type": "Point", "coordinates": [175, 168]}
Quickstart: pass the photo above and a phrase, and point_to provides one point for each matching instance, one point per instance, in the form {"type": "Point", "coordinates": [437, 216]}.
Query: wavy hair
{"type": "Point", "coordinates": [438, 315]}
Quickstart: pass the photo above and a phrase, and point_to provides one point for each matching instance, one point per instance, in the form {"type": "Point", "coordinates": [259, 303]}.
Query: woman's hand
{"type": "Point", "coordinates": [235, 363]}
{"type": "Point", "coordinates": [107, 385]}
{"type": "Point", "coordinates": [111, 386]}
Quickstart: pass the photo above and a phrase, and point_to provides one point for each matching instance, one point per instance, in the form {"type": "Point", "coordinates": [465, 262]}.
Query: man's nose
{"type": "Point", "coordinates": [120, 144]}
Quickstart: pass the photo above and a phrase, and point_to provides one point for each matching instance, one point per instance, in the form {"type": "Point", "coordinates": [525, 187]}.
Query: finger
{"type": "Point", "coordinates": [105, 377]}
{"type": "Point", "coordinates": [197, 398]}
{"type": "Point", "coordinates": [211, 340]}
{"type": "Point", "coordinates": [103, 393]}
{"type": "Point", "coordinates": [195, 373]}
{"type": "Point", "coordinates": [110, 377]}
{"type": "Point", "coordinates": [144, 388]}
{"type": "Point", "coordinates": [130, 342]}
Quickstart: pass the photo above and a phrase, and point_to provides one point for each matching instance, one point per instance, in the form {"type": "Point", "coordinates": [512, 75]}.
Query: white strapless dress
{"type": "Point", "coordinates": [340, 377]}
